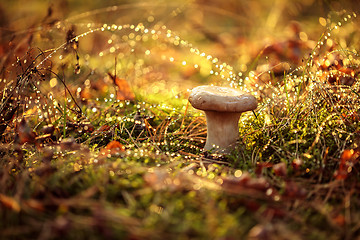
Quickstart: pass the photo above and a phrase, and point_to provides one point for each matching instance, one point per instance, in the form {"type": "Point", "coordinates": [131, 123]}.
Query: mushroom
{"type": "Point", "coordinates": [223, 107]}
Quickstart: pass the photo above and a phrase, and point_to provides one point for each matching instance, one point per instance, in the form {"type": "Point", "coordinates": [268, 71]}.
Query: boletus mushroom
{"type": "Point", "coordinates": [223, 107]}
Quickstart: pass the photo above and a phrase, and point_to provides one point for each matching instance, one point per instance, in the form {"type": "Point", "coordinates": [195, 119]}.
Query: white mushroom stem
{"type": "Point", "coordinates": [222, 129]}
{"type": "Point", "coordinates": [223, 107]}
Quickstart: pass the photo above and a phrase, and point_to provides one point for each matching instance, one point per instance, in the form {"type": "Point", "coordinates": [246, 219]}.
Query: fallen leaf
{"type": "Point", "coordinates": [77, 167]}
{"type": "Point", "coordinates": [112, 148]}
{"type": "Point", "coordinates": [25, 133]}
{"type": "Point", "coordinates": [339, 220]}
{"type": "Point", "coordinates": [262, 165]}
{"type": "Point", "coordinates": [69, 144]}
{"type": "Point", "coordinates": [34, 204]}
{"type": "Point", "coordinates": [115, 145]}
{"type": "Point", "coordinates": [296, 164]}
{"type": "Point", "coordinates": [104, 128]}
{"type": "Point", "coordinates": [123, 90]}
{"type": "Point", "coordinates": [280, 169]}
{"type": "Point", "coordinates": [9, 202]}
{"type": "Point", "coordinates": [348, 159]}
{"type": "Point", "coordinates": [260, 232]}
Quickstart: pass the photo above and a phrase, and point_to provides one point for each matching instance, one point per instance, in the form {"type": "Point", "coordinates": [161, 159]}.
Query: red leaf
{"type": "Point", "coordinates": [339, 220]}
{"type": "Point", "coordinates": [113, 148]}
{"type": "Point", "coordinates": [25, 133]}
{"type": "Point", "coordinates": [296, 163]}
{"type": "Point", "coordinates": [280, 169]}
{"type": "Point", "coordinates": [347, 161]}
{"type": "Point", "coordinates": [261, 165]}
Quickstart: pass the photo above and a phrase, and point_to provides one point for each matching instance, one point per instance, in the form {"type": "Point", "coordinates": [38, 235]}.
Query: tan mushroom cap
{"type": "Point", "coordinates": [221, 99]}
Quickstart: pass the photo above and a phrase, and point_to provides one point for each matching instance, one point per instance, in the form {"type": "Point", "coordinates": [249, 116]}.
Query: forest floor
{"type": "Point", "coordinates": [99, 141]}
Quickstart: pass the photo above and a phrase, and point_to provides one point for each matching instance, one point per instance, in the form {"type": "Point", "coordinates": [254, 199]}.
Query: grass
{"type": "Point", "coordinates": [81, 161]}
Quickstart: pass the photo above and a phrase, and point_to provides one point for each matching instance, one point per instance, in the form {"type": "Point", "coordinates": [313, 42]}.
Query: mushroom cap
{"type": "Point", "coordinates": [221, 99]}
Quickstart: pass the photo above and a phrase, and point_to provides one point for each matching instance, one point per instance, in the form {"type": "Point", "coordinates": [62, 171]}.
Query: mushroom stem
{"type": "Point", "coordinates": [222, 129]}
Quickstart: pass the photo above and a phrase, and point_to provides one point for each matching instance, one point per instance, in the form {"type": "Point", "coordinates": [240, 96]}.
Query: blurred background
{"type": "Point", "coordinates": [251, 37]}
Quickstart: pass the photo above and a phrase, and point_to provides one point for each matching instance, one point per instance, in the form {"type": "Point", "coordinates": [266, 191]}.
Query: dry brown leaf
{"type": "Point", "coordinates": [280, 169]}
{"type": "Point", "coordinates": [123, 90]}
{"type": "Point", "coordinates": [9, 202]}
{"type": "Point", "coordinates": [34, 204]}
{"type": "Point", "coordinates": [25, 133]}
{"type": "Point", "coordinates": [348, 159]}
